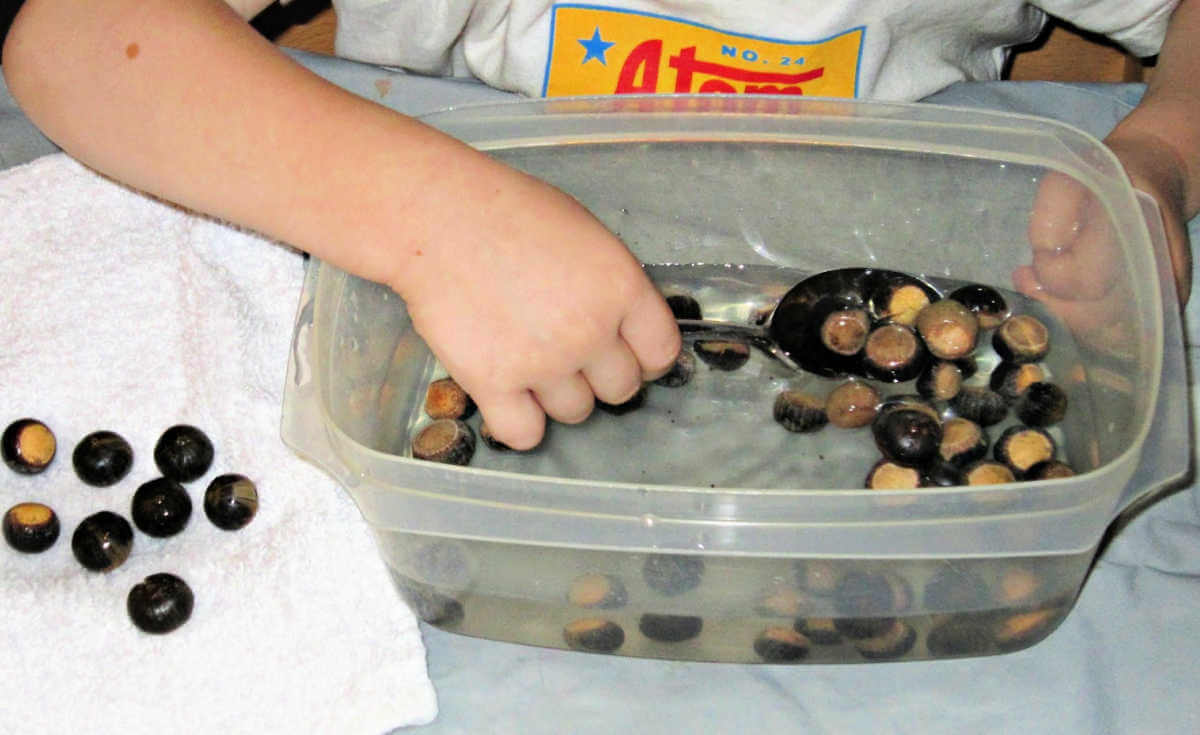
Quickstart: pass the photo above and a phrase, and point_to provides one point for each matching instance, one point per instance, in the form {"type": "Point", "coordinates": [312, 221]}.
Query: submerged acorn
{"type": "Point", "coordinates": [897, 297]}
{"type": "Point", "coordinates": [160, 603]}
{"type": "Point", "coordinates": [844, 330]}
{"type": "Point", "coordinates": [31, 527]}
{"type": "Point", "coordinates": [231, 501]}
{"type": "Point", "coordinates": [895, 641]}
{"type": "Point", "coordinates": [1022, 447]}
{"type": "Point", "coordinates": [672, 574]}
{"type": "Point", "coordinates": [684, 306]}
{"type": "Point", "coordinates": [102, 541]}
{"type": "Point", "coordinates": [670, 628]}
{"type": "Point", "coordinates": [632, 403]}
{"type": "Point", "coordinates": [595, 590]}
{"type": "Point", "coordinates": [986, 302]}
{"type": "Point", "coordinates": [1011, 379]}
{"type": "Point", "coordinates": [941, 381]}
{"type": "Point", "coordinates": [445, 399]}
{"type": "Point", "coordinates": [161, 507]}
{"type": "Point", "coordinates": [594, 634]}
{"type": "Point", "coordinates": [183, 453]}
{"type": "Point", "coordinates": [852, 404]}
{"type": "Point", "coordinates": [681, 371]}
{"type": "Point", "coordinates": [907, 436]}
{"type": "Point", "coordinates": [948, 328]}
{"type": "Point", "coordinates": [980, 404]}
{"type": "Point", "coordinates": [102, 458]}
{"type": "Point", "coordinates": [28, 446]}
{"type": "Point", "coordinates": [963, 442]}
{"type": "Point", "coordinates": [1042, 404]}
{"type": "Point", "coordinates": [780, 644]}
{"type": "Point", "coordinates": [889, 475]}
{"type": "Point", "coordinates": [894, 353]}
{"type": "Point", "coordinates": [1021, 338]}
{"type": "Point", "coordinates": [1050, 470]}
{"type": "Point", "coordinates": [727, 356]}
{"type": "Point", "coordinates": [799, 412]}
{"type": "Point", "coordinates": [450, 441]}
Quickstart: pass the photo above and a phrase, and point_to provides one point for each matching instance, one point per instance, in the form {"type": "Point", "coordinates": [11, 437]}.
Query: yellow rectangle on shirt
{"type": "Point", "coordinates": [599, 50]}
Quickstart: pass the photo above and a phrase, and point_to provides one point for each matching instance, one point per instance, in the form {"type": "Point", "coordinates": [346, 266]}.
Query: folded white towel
{"type": "Point", "coordinates": [126, 314]}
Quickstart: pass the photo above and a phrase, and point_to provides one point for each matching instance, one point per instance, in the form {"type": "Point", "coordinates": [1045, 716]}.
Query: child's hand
{"type": "Point", "coordinates": [529, 302]}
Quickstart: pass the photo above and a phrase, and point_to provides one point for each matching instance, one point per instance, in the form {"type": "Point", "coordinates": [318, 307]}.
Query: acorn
{"type": "Point", "coordinates": [183, 453]}
{"type": "Point", "coordinates": [821, 631]}
{"type": "Point", "coordinates": [894, 353]}
{"type": "Point", "coordinates": [953, 588]}
{"type": "Point", "coordinates": [988, 472]}
{"type": "Point", "coordinates": [1052, 469]}
{"type": "Point", "coordinates": [940, 381]}
{"type": "Point", "coordinates": [594, 634]}
{"type": "Point", "coordinates": [852, 404]}
{"type": "Point", "coordinates": [894, 642]}
{"type": "Point", "coordinates": [843, 331]}
{"type": "Point", "coordinates": [161, 507]}
{"type": "Point", "coordinates": [940, 473]}
{"type": "Point", "coordinates": [980, 404]}
{"type": "Point", "coordinates": [595, 590]}
{"type": "Point", "coordinates": [725, 356]}
{"type": "Point", "coordinates": [231, 501]}
{"type": "Point", "coordinates": [985, 302]}
{"type": "Point", "coordinates": [445, 399]}
{"type": "Point", "coordinates": [1021, 338]}
{"type": "Point", "coordinates": [1043, 404]}
{"type": "Point", "coordinates": [817, 577]}
{"type": "Point", "coordinates": [959, 636]}
{"type": "Point", "coordinates": [907, 436]}
{"type": "Point", "coordinates": [28, 446]}
{"type": "Point", "coordinates": [780, 644]}
{"type": "Point", "coordinates": [160, 603]}
{"type": "Point", "coordinates": [102, 541]}
{"type": "Point", "coordinates": [450, 441]}
{"type": "Point", "coordinates": [867, 602]}
{"type": "Point", "coordinates": [963, 442]}
{"type": "Point", "coordinates": [949, 329]}
{"type": "Point", "coordinates": [1022, 447]}
{"type": "Point", "coordinates": [1011, 379]}
{"type": "Point", "coordinates": [31, 527]}
{"type": "Point", "coordinates": [897, 297]}
{"type": "Point", "coordinates": [799, 412]}
{"type": "Point", "coordinates": [633, 403]}
{"type": "Point", "coordinates": [681, 371]}
{"type": "Point", "coordinates": [672, 574]}
{"type": "Point", "coordinates": [670, 628]}
{"type": "Point", "coordinates": [889, 475]}
{"type": "Point", "coordinates": [102, 458]}
{"type": "Point", "coordinates": [485, 433]}
{"type": "Point", "coordinates": [1020, 585]}
{"type": "Point", "coordinates": [684, 306]}
{"type": "Point", "coordinates": [1023, 629]}
{"type": "Point", "coordinates": [427, 603]}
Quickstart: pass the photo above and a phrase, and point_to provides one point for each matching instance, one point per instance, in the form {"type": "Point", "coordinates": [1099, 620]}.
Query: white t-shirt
{"type": "Point", "coordinates": [861, 48]}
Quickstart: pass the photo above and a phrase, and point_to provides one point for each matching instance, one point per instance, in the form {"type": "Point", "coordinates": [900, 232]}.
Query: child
{"type": "Point", "coordinates": [547, 311]}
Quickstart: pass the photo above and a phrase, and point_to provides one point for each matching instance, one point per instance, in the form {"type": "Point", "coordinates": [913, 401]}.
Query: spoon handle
{"type": "Point", "coordinates": [704, 329]}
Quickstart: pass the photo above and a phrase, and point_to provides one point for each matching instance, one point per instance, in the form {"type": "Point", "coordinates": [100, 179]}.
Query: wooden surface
{"type": "Point", "coordinates": [1064, 54]}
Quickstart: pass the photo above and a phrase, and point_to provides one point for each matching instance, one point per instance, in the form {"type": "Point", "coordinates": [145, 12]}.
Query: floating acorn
{"type": "Point", "coordinates": [1023, 447]}
{"type": "Point", "coordinates": [907, 436]}
{"type": "Point", "coordinates": [986, 302]}
{"type": "Point", "coordinates": [887, 474]}
{"type": "Point", "coordinates": [446, 399]}
{"type": "Point", "coordinates": [963, 442]}
{"type": "Point", "coordinates": [1021, 338]}
{"type": "Point", "coordinates": [940, 381]}
{"type": "Point", "coordinates": [843, 331]}
{"type": "Point", "coordinates": [160, 603]}
{"type": "Point", "coordinates": [799, 412]}
{"type": "Point", "coordinates": [31, 527]}
{"type": "Point", "coordinates": [183, 453]}
{"type": "Point", "coordinates": [672, 574]}
{"type": "Point", "coordinates": [1043, 404]}
{"type": "Point", "coordinates": [595, 590]}
{"type": "Point", "coordinates": [980, 404]}
{"type": "Point", "coordinates": [940, 473]}
{"type": "Point", "coordinates": [1050, 470]}
{"type": "Point", "coordinates": [28, 446]}
{"type": "Point", "coordinates": [1011, 379]}
{"type": "Point", "coordinates": [450, 441]}
{"type": "Point", "coordinates": [948, 328]}
{"type": "Point", "coordinates": [988, 472]}
{"type": "Point", "coordinates": [896, 297]}
{"type": "Point", "coordinates": [894, 353]}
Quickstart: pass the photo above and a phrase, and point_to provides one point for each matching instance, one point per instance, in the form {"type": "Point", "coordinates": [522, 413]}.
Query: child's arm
{"type": "Point", "coordinates": [526, 299]}
{"type": "Point", "coordinates": [1159, 145]}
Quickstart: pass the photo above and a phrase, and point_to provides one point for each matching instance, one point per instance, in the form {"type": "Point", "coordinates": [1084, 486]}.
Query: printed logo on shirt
{"type": "Point", "coordinates": [602, 50]}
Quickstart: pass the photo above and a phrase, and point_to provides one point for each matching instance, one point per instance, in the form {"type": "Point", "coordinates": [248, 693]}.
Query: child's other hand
{"type": "Point", "coordinates": [529, 302]}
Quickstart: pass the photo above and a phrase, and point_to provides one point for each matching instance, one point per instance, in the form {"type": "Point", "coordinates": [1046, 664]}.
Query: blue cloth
{"type": "Point", "coordinates": [1124, 661]}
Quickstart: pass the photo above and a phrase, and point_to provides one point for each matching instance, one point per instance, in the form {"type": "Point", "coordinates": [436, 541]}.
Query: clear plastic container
{"type": "Point", "coordinates": [695, 527]}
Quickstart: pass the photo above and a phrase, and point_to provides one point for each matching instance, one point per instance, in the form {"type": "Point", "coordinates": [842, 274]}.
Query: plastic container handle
{"type": "Point", "coordinates": [1165, 460]}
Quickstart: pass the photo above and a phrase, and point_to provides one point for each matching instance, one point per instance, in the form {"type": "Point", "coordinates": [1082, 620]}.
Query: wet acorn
{"type": "Point", "coordinates": [183, 453]}
{"type": "Point", "coordinates": [940, 381]}
{"type": "Point", "coordinates": [595, 590]}
{"type": "Point", "coordinates": [670, 628]}
{"type": "Point", "coordinates": [594, 634]}
{"type": "Point", "coordinates": [445, 399]}
{"type": "Point", "coordinates": [485, 433]}
{"type": "Point", "coordinates": [28, 446]}
{"type": "Point", "coordinates": [681, 371]}
{"type": "Point", "coordinates": [684, 306]}
{"type": "Point", "coordinates": [1042, 404]}
{"type": "Point", "coordinates": [31, 527]}
{"type": "Point", "coordinates": [780, 644]}
{"type": "Point", "coordinates": [1050, 470]}
{"type": "Point", "coordinates": [1011, 379]}
{"type": "Point", "coordinates": [427, 603]}
{"type": "Point", "coordinates": [1021, 338]}
{"type": "Point", "coordinates": [963, 442]}
{"type": "Point", "coordinates": [949, 329]}
{"type": "Point", "coordinates": [1023, 629]}
{"type": "Point", "coordinates": [952, 588]}
{"type": "Point", "coordinates": [672, 574]}
{"type": "Point", "coordinates": [161, 507]}
{"type": "Point", "coordinates": [940, 473]}
{"type": "Point", "coordinates": [894, 642]}
{"type": "Point", "coordinates": [988, 472]}
{"type": "Point", "coordinates": [633, 403]}
{"type": "Point", "coordinates": [889, 475]}
{"type": "Point", "coordinates": [959, 637]}
{"type": "Point", "coordinates": [102, 541]}
{"type": "Point", "coordinates": [985, 302]}
{"type": "Point", "coordinates": [852, 404]}
{"type": "Point", "coordinates": [897, 297]}
{"type": "Point", "coordinates": [231, 501]}
{"type": "Point", "coordinates": [102, 458]}
{"type": "Point", "coordinates": [160, 603]}
{"type": "Point", "coordinates": [799, 412]}
{"type": "Point", "coordinates": [844, 330]}
{"type": "Point", "coordinates": [1022, 447]}
{"type": "Point", "coordinates": [821, 631]}
{"type": "Point", "coordinates": [894, 353]}
{"type": "Point", "coordinates": [449, 441]}
{"type": "Point", "coordinates": [907, 436]}
{"type": "Point", "coordinates": [868, 601]}
{"type": "Point", "coordinates": [980, 404]}
{"type": "Point", "coordinates": [726, 356]}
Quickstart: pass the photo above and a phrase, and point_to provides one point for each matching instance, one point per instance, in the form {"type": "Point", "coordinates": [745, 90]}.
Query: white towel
{"type": "Point", "coordinates": [126, 314]}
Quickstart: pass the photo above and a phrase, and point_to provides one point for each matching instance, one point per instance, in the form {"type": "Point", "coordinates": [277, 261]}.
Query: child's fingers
{"type": "Point", "coordinates": [1058, 211]}
{"type": "Point", "coordinates": [650, 331]}
{"type": "Point", "coordinates": [568, 399]}
{"type": "Point", "coordinates": [515, 419]}
{"type": "Point", "coordinates": [1074, 252]}
{"type": "Point", "coordinates": [615, 374]}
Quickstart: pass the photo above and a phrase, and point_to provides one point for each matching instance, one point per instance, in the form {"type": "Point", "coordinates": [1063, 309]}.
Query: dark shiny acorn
{"type": "Point", "coordinates": [897, 297]}
{"type": "Point", "coordinates": [940, 473]}
{"type": "Point", "coordinates": [1042, 404]}
{"type": "Point", "coordinates": [102, 458]}
{"type": "Point", "coordinates": [727, 356]}
{"type": "Point", "coordinates": [963, 441]}
{"type": "Point", "coordinates": [1021, 338]}
{"type": "Point", "coordinates": [485, 433]}
{"type": "Point", "coordinates": [799, 412]}
{"type": "Point", "coordinates": [908, 402]}
{"type": "Point", "coordinates": [594, 634]}
{"type": "Point", "coordinates": [1011, 379]}
{"type": "Point", "coordinates": [183, 453]}
{"type": "Point", "coordinates": [868, 602]}
{"type": "Point", "coordinates": [231, 501]}
{"type": "Point", "coordinates": [684, 306]}
{"type": "Point", "coordinates": [940, 381]}
{"type": "Point", "coordinates": [161, 507]}
{"type": "Point", "coordinates": [595, 590]}
{"type": "Point", "coordinates": [31, 527]}
{"type": "Point", "coordinates": [897, 640]}
{"type": "Point", "coordinates": [102, 541]}
{"type": "Point", "coordinates": [1022, 447]}
{"type": "Point", "coordinates": [986, 302]}
{"type": "Point", "coordinates": [889, 475]}
{"type": "Point", "coordinates": [852, 404]}
{"type": "Point", "coordinates": [950, 330]}
{"type": "Point", "coordinates": [681, 371]}
{"type": "Point", "coordinates": [894, 353]}
{"type": "Point", "coordinates": [672, 574]}
{"type": "Point", "coordinates": [445, 399]}
{"type": "Point", "coordinates": [427, 603]}
{"type": "Point", "coordinates": [956, 636]}
{"type": "Point", "coordinates": [670, 628]}
{"type": "Point", "coordinates": [821, 631]}
{"type": "Point", "coordinates": [449, 441]}
{"type": "Point", "coordinates": [1050, 470]}
{"type": "Point", "coordinates": [160, 603]}
{"type": "Point", "coordinates": [780, 644]}
{"type": "Point", "coordinates": [907, 436]}
{"type": "Point", "coordinates": [980, 404]}
{"type": "Point", "coordinates": [633, 403]}
{"type": "Point", "coordinates": [28, 446]}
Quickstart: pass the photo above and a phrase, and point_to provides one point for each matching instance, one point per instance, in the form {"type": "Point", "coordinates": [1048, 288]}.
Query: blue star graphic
{"type": "Point", "coordinates": [596, 47]}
